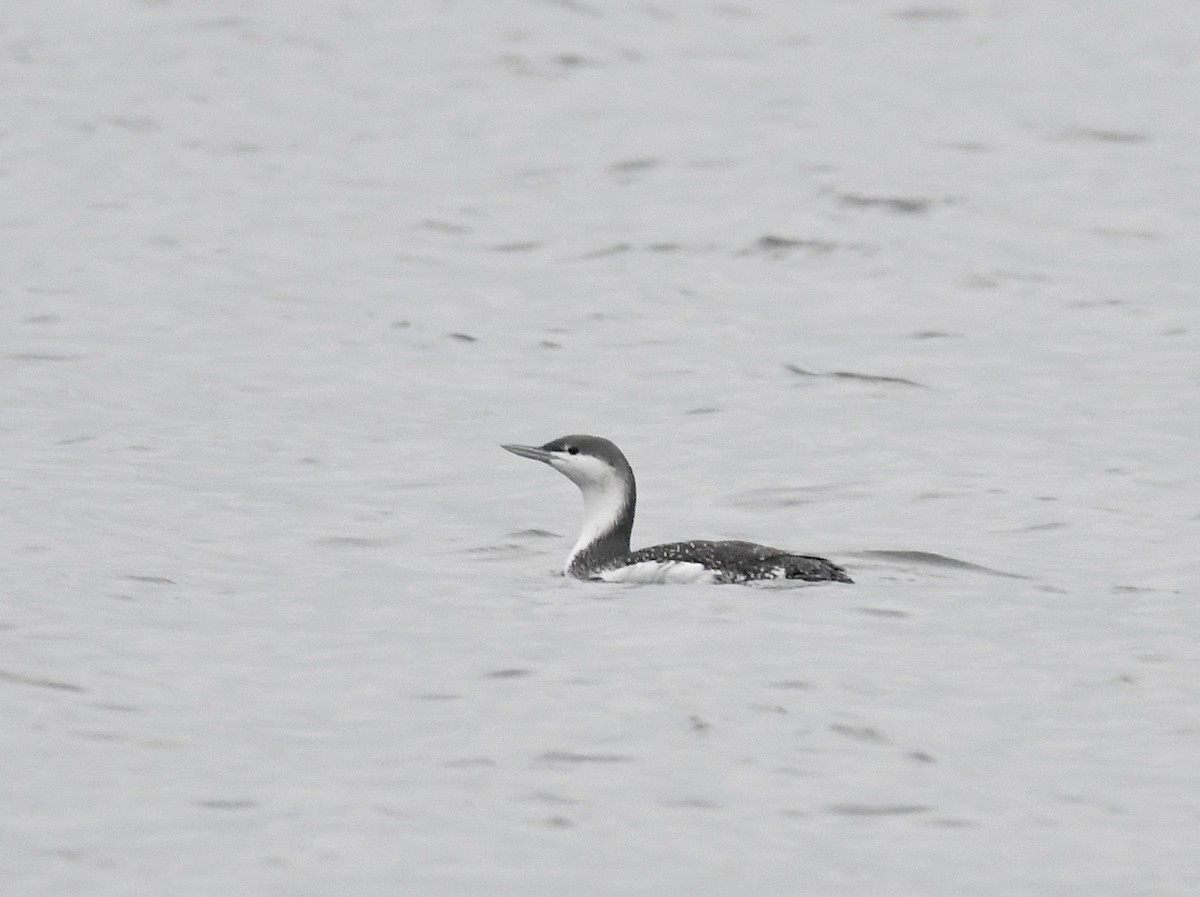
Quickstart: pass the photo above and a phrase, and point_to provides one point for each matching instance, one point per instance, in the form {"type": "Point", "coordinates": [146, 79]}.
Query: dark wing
{"type": "Point", "coordinates": [802, 566]}
{"type": "Point", "coordinates": [737, 561]}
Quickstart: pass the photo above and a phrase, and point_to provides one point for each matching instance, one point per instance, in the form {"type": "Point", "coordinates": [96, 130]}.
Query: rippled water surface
{"type": "Point", "coordinates": [910, 286]}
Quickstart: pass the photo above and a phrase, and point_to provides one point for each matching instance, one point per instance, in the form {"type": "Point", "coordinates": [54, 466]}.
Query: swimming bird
{"type": "Point", "coordinates": [603, 475]}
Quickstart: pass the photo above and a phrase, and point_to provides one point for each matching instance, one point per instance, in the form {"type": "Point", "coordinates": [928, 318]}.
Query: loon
{"type": "Point", "coordinates": [604, 476]}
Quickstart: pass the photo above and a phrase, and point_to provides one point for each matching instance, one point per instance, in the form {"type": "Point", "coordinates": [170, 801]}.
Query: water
{"type": "Point", "coordinates": [909, 287]}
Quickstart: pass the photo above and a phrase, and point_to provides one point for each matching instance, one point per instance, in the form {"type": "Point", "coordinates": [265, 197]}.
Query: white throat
{"type": "Point", "coordinates": [606, 502]}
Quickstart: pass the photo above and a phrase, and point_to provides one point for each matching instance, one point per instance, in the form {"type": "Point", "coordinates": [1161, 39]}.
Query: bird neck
{"type": "Point", "coordinates": [607, 525]}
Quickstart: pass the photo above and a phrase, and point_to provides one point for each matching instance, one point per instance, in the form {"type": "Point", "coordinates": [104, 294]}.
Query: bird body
{"type": "Point", "coordinates": [604, 477]}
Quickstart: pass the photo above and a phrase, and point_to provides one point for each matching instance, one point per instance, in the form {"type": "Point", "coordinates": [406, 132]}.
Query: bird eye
{"type": "Point", "coordinates": [572, 450]}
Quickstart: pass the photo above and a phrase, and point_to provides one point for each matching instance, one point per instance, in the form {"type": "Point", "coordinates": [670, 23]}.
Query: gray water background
{"type": "Point", "coordinates": [912, 286]}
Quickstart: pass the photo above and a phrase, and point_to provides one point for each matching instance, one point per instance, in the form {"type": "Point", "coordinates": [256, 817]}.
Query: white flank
{"type": "Point", "coordinates": [661, 571]}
